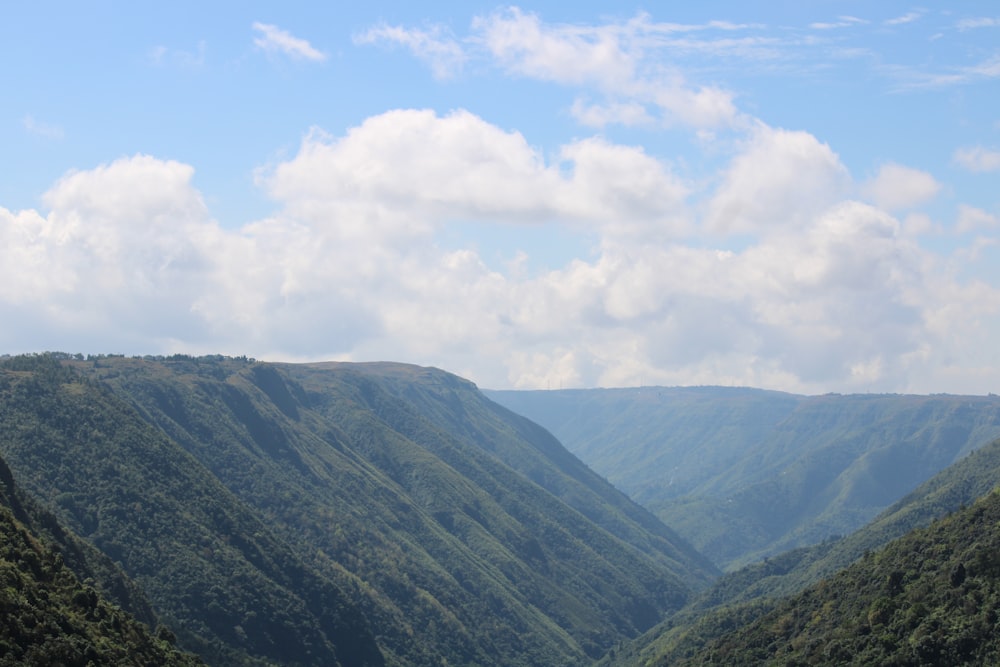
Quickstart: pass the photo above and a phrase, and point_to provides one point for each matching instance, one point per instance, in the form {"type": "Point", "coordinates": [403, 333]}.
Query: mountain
{"type": "Point", "coordinates": [214, 572]}
{"type": "Point", "coordinates": [740, 597]}
{"type": "Point", "coordinates": [48, 616]}
{"type": "Point", "coordinates": [339, 513]}
{"type": "Point", "coordinates": [744, 474]}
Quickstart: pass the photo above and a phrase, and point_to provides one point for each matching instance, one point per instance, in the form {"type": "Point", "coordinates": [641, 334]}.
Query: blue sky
{"type": "Point", "coordinates": [802, 196]}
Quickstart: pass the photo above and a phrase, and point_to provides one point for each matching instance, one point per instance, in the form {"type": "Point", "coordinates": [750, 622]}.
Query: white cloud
{"type": "Point", "coordinates": [842, 22]}
{"type": "Point", "coordinates": [403, 173]}
{"type": "Point", "coordinates": [121, 243]}
{"type": "Point", "coordinates": [971, 219]}
{"type": "Point", "coordinates": [911, 78]}
{"type": "Point", "coordinates": [897, 187]}
{"type": "Point", "coordinates": [981, 22]}
{"type": "Point", "coordinates": [977, 158]}
{"type": "Point", "coordinates": [614, 113]}
{"type": "Point", "coordinates": [810, 306]}
{"type": "Point", "coordinates": [610, 58]}
{"type": "Point", "coordinates": [272, 39]}
{"type": "Point", "coordinates": [909, 17]}
{"type": "Point", "coordinates": [162, 55]}
{"type": "Point", "coordinates": [564, 54]}
{"type": "Point", "coordinates": [780, 178]}
{"type": "Point", "coordinates": [443, 53]}
{"type": "Point", "coordinates": [824, 294]}
{"type": "Point", "coordinates": [47, 130]}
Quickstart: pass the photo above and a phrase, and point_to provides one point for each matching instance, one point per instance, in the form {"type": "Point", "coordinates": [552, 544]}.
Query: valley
{"type": "Point", "coordinates": [745, 474]}
{"type": "Point", "coordinates": [387, 514]}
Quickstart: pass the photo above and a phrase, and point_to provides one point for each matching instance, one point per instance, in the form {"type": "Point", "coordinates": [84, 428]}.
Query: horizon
{"type": "Point", "coordinates": [97, 356]}
{"type": "Point", "coordinates": [796, 198]}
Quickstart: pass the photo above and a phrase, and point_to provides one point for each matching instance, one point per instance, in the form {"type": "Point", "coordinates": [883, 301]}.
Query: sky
{"type": "Point", "coordinates": [802, 196]}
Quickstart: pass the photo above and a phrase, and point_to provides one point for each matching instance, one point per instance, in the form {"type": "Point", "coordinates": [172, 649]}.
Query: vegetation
{"type": "Point", "coordinates": [48, 617]}
{"type": "Point", "coordinates": [384, 514]}
{"type": "Point", "coordinates": [929, 598]}
{"type": "Point", "coordinates": [213, 571]}
{"type": "Point", "coordinates": [745, 474]}
{"type": "Point", "coordinates": [739, 598]}
{"type": "Point", "coordinates": [351, 514]}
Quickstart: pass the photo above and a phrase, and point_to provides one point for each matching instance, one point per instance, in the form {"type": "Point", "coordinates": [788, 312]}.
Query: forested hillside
{"type": "Point", "coordinates": [740, 597]}
{"type": "Point", "coordinates": [47, 616]}
{"type": "Point", "coordinates": [351, 514]}
{"type": "Point", "coordinates": [929, 598]}
{"type": "Point", "coordinates": [744, 473]}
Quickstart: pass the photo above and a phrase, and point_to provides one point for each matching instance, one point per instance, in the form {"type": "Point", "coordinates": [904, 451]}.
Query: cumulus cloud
{"type": "Point", "coordinates": [398, 172]}
{"type": "Point", "coordinates": [824, 294]}
{"type": "Point", "coordinates": [834, 303]}
{"type": "Point", "coordinates": [121, 242]}
{"type": "Point", "coordinates": [897, 187]}
{"type": "Point", "coordinates": [273, 40]}
{"type": "Point", "coordinates": [780, 178]}
{"type": "Point", "coordinates": [977, 159]}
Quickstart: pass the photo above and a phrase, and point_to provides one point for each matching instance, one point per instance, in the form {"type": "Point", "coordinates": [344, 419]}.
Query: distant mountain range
{"type": "Point", "coordinates": [744, 474]}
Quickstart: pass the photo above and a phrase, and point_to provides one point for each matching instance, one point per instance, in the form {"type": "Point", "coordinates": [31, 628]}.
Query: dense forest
{"type": "Point", "coordinates": [741, 597]}
{"type": "Point", "coordinates": [931, 597]}
{"type": "Point", "coordinates": [386, 514]}
{"type": "Point", "coordinates": [48, 616]}
{"type": "Point", "coordinates": [346, 514]}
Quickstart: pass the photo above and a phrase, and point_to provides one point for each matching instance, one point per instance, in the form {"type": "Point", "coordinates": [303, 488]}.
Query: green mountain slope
{"type": "Point", "coordinates": [213, 570]}
{"type": "Point", "coordinates": [340, 503]}
{"type": "Point", "coordinates": [744, 473]}
{"type": "Point", "coordinates": [929, 598]}
{"type": "Point", "coordinates": [453, 414]}
{"type": "Point", "coordinates": [740, 597]}
{"type": "Point", "coordinates": [48, 617]}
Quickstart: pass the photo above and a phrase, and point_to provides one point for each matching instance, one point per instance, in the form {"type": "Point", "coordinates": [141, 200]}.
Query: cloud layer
{"type": "Point", "coordinates": [826, 293]}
